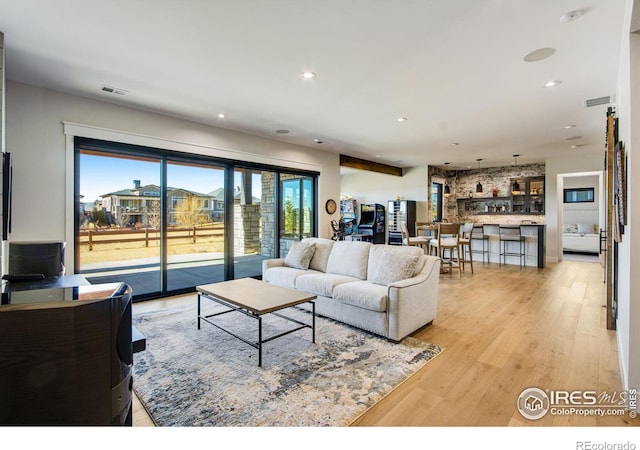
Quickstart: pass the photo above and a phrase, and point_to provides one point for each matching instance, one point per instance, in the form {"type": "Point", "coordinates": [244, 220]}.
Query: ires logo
{"type": "Point", "coordinates": [534, 403]}
{"type": "Point", "coordinates": [573, 398]}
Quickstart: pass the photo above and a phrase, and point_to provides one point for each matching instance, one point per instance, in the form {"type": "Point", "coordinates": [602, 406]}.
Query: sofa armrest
{"type": "Point", "coordinates": [269, 263]}
{"type": "Point", "coordinates": [413, 302]}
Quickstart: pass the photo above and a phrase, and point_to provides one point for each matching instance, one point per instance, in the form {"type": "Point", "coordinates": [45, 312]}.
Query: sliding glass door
{"type": "Point", "coordinates": [118, 235]}
{"type": "Point", "coordinates": [165, 222]}
{"type": "Point", "coordinates": [195, 230]}
{"type": "Point", "coordinates": [297, 210]}
{"type": "Point", "coordinates": [254, 221]}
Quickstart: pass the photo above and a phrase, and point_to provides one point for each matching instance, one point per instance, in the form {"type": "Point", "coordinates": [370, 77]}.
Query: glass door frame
{"type": "Point", "coordinates": [164, 156]}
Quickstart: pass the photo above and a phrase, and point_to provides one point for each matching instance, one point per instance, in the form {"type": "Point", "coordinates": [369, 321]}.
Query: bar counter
{"type": "Point", "coordinates": [535, 244]}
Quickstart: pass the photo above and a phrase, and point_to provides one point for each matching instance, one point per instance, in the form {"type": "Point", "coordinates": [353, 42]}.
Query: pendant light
{"type": "Point", "coordinates": [515, 189]}
{"type": "Point", "coordinates": [479, 185]}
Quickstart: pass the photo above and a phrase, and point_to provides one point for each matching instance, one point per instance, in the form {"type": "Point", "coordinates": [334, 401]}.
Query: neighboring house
{"type": "Point", "coordinates": [141, 204]}
{"type": "Point", "coordinates": [218, 201]}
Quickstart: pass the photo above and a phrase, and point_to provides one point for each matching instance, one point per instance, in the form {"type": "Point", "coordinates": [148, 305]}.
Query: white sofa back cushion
{"type": "Point", "coordinates": [391, 263]}
{"type": "Point", "coordinates": [321, 255]}
{"type": "Point", "coordinates": [349, 258]}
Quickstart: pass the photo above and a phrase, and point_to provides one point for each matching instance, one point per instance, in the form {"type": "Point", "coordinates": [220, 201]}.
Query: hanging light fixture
{"type": "Point", "coordinates": [447, 190]}
{"type": "Point", "coordinates": [515, 189]}
{"type": "Point", "coordinates": [479, 185]}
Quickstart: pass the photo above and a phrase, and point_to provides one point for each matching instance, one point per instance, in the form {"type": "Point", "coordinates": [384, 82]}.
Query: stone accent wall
{"type": "Point", "coordinates": [246, 229]}
{"type": "Point", "coordinates": [268, 213]}
{"type": "Point", "coordinates": [498, 177]}
{"type": "Point", "coordinates": [463, 182]}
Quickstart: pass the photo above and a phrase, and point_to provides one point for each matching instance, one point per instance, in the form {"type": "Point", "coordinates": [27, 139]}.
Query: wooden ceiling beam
{"type": "Point", "coordinates": [363, 164]}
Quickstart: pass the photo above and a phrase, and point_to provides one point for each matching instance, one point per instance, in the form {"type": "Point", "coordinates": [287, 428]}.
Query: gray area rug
{"type": "Point", "coordinates": [191, 377]}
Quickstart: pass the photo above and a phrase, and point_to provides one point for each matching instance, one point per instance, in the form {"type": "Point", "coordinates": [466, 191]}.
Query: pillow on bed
{"type": "Point", "coordinates": [585, 228]}
{"type": "Point", "coordinates": [570, 228]}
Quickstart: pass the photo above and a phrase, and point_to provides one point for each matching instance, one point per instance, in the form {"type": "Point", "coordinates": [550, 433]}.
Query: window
{"type": "Point", "coordinates": [175, 201]}
{"type": "Point", "coordinates": [579, 195]}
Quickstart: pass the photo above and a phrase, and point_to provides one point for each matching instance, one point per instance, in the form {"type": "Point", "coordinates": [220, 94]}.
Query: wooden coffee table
{"type": "Point", "coordinates": [255, 298]}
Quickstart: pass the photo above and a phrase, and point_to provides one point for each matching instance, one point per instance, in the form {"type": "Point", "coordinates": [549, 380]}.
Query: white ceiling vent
{"type": "Point", "coordinates": [597, 101]}
{"type": "Point", "coordinates": [112, 90]}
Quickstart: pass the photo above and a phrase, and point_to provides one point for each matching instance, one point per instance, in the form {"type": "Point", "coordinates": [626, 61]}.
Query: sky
{"type": "Point", "coordinates": [101, 175]}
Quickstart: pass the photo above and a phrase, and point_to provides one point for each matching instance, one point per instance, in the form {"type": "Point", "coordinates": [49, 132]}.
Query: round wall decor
{"type": "Point", "coordinates": [330, 206]}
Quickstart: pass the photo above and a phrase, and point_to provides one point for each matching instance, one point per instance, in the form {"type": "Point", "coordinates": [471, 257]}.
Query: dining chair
{"type": "Point", "coordinates": [466, 236]}
{"type": "Point", "coordinates": [447, 246]}
{"type": "Point", "coordinates": [417, 241]}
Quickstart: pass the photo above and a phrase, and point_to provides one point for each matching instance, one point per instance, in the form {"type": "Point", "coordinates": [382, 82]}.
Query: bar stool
{"type": "Point", "coordinates": [418, 241]}
{"type": "Point", "coordinates": [479, 235]}
{"type": "Point", "coordinates": [466, 235]}
{"type": "Point", "coordinates": [447, 245]}
{"type": "Point", "coordinates": [511, 234]}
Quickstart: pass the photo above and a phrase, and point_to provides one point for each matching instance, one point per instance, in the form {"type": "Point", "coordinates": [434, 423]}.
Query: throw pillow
{"type": "Point", "coordinates": [300, 255]}
{"type": "Point", "coordinates": [585, 228]}
{"type": "Point", "coordinates": [395, 269]}
{"type": "Point", "coordinates": [321, 255]}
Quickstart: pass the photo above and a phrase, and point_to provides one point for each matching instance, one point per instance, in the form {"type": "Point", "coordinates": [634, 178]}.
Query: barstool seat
{"type": "Point", "coordinates": [511, 234]}
{"type": "Point", "coordinates": [479, 235]}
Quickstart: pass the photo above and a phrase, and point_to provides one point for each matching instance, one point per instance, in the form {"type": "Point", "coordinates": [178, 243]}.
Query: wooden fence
{"type": "Point", "coordinates": [109, 236]}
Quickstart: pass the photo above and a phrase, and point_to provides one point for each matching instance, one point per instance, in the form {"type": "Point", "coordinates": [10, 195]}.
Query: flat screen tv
{"type": "Point", "coordinates": [7, 174]}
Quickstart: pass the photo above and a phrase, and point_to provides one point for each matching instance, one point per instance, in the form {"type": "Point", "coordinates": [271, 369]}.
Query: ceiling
{"type": "Point", "coordinates": [454, 69]}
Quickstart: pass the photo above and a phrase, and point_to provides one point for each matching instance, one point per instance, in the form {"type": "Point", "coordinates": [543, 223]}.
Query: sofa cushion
{"type": "Point", "coordinates": [321, 255]}
{"type": "Point", "coordinates": [322, 283]}
{"type": "Point", "coordinates": [390, 256]}
{"type": "Point", "coordinates": [362, 294]}
{"type": "Point", "coordinates": [349, 258]}
{"type": "Point", "coordinates": [300, 254]}
{"type": "Point", "coordinates": [283, 276]}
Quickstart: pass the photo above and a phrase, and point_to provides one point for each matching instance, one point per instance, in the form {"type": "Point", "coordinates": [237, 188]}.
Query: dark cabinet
{"type": "Point", "coordinates": [527, 195]}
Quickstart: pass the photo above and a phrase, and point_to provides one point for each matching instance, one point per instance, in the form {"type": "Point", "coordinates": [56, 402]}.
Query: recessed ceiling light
{"type": "Point", "coordinates": [402, 119]}
{"type": "Point", "coordinates": [573, 138]}
{"type": "Point", "coordinates": [552, 83]}
{"type": "Point", "coordinates": [318, 141]}
{"type": "Point", "coordinates": [282, 131]}
{"type": "Point", "coordinates": [221, 116]}
{"type": "Point", "coordinates": [377, 156]}
{"type": "Point", "coordinates": [540, 54]}
{"type": "Point", "coordinates": [454, 144]}
{"type": "Point", "coordinates": [308, 75]}
{"type": "Point", "coordinates": [570, 16]}
{"type": "Point", "coordinates": [566, 127]}
{"type": "Point", "coordinates": [447, 163]}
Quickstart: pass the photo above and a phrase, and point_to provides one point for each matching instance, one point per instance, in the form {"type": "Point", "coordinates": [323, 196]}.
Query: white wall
{"type": "Point", "coordinates": [588, 212]}
{"type": "Point", "coordinates": [581, 162]}
{"type": "Point", "coordinates": [373, 187]}
{"type": "Point", "coordinates": [43, 171]}
{"type": "Point", "coordinates": [628, 331]}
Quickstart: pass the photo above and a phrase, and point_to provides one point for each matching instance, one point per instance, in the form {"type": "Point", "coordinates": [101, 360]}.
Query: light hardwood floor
{"type": "Point", "coordinates": [504, 329]}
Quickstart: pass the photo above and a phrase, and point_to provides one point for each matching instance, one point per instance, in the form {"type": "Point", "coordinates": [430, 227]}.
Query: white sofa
{"type": "Point", "coordinates": [388, 290]}
{"type": "Point", "coordinates": [580, 238]}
